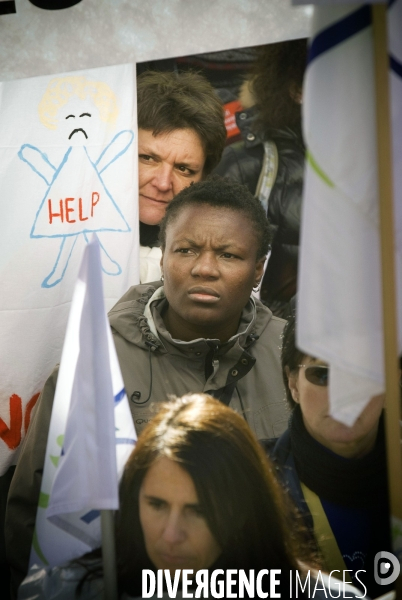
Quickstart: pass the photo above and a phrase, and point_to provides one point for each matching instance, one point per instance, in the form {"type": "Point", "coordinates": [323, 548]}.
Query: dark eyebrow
{"type": "Point", "coordinates": [149, 497]}
{"type": "Point", "coordinates": [155, 156]}
{"type": "Point", "coordinates": [223, 247]}
{"type": "Point", "coordinates": [85, 115]}
{"type": "Point", "coordinates": [70, 116]}
{"type": "Point", "coordinates": [148, 153]}
{"type": "Point", "coordinates": [187, 165]}
{"type": "Point", "coordinates": [188, 241]}
{"type": "Point", "coordinates": [196, 506]}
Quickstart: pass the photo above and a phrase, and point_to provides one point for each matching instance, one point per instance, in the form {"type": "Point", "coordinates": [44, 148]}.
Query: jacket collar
{"type": "Point", "coordinates": [128, 319]}
{"type": "Point", "coordinates": [158, 303]}
{"type": "Point", "coordinates": [253, 136]}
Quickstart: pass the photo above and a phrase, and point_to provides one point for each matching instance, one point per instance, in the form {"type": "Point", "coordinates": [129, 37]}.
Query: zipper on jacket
{"type": "Point", "coordinates": [210, 360]}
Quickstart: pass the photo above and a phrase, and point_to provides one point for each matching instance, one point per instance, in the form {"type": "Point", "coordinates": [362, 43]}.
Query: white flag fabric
{"type": "Point", "coordinates": [339, 310]}
{"type": "Point", "coordinates": [68, 168]}
{"type": "Point", "coordinates": [91, 431]}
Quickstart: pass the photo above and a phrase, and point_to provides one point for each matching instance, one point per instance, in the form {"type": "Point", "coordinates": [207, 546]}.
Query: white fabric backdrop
{"type": "Point", "coordinates": [93, 33]}
{"type": "Point", "coordinates": [34, 303]}
{"type": "Point", "coordinates": [107, 32]}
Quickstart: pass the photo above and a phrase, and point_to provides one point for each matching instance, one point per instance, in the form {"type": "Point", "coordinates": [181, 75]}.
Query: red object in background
{"type": "Point", "coordinates": [233, 132]}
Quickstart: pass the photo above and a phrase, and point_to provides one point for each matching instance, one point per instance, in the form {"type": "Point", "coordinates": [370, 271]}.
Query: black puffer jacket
{"type": "Point", "coordinates": [242, 162]}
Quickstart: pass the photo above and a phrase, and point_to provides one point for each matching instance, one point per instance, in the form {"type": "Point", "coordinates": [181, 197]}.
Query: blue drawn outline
{"type": "Point", "coordinates": [46, 280]}
{"type": "Point", "coordinates": [57, 171]}
{"type": "Point", "coordinates": [45, 158]}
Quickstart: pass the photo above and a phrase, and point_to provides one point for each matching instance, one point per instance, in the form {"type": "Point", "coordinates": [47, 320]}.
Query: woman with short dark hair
{"type": "Point", "coordinates": [198, 330]}
{"type": "Point", "coordinates": [168, 101]}
{"type": "Point", "coordinates": [181, 136]}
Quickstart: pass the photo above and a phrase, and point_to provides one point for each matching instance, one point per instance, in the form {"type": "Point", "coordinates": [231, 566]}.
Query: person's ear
{"type": "Point", "coordinates": [293, 378]}
{"type": "Point", "coordinates": [259, 271]}
{"type": "Point", "coordinates": [161, 265]}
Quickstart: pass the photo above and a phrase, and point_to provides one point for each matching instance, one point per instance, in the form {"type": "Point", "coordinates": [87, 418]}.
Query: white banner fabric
{"type": "Point", "coordinates": [68, 169]}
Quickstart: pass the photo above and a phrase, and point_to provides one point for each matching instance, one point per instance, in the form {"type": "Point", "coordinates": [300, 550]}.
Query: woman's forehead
{"type": "Point", "coordinates": [195, 219]}
{"type": "Point", "coordinates": [168, 480]}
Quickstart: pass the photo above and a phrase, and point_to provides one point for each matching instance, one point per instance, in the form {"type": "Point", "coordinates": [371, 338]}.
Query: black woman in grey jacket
{"type": "Point", "coordinates": [199, 331]}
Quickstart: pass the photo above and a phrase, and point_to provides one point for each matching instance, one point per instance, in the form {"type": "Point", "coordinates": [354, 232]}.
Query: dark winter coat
{"type": "Point", "coordinates": [242, 162]}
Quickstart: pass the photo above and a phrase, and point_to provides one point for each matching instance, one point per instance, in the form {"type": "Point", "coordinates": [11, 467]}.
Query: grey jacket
{"type": "Point", "coordinates": [246, 374]}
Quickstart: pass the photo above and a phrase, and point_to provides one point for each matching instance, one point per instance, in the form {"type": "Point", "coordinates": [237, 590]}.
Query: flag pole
{"type": "Point", "coordinates": [109, 555]}
{"type": "Point", "coordinates": [387, 240]}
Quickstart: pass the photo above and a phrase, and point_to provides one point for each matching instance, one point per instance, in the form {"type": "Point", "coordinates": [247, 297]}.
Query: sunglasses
{"type": "Point", "coordinates": [316, 374]}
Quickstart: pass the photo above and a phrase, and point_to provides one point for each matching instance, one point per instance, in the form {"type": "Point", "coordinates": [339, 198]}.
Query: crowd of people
{"type": "Point", "coordinates": [232, 476]}
{"type": "Point", "coordinates": [198, 492]}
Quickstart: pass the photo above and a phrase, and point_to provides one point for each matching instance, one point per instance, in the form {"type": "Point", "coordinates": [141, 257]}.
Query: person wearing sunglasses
{"type": "Point", "coordinates": [336, 475]}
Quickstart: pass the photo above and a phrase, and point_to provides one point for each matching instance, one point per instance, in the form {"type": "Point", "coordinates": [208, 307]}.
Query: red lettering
{"type": "Point", "coordinates": [12, 435]}
{"type": "Point", "coordinates": [52, 214]}
{"type": "Point", "coordinates": [81, 218]}
{"type": "Point", "coordinates": [94, 203]}
{"type": "Point", "coordinates": [69, 210]}
{"type": "Point", "coordinates": [28, 410]}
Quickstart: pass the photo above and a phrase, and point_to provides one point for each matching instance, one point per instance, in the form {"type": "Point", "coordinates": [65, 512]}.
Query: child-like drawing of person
{"type": "Point", "coordinates": [77, 201]}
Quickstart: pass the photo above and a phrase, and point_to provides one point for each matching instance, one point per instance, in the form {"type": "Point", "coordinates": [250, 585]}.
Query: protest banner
{"type": "Point", "coordinates": [69, 170]}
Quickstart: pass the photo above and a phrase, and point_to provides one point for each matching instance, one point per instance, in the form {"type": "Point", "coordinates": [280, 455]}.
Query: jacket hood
{"type": "Point", "coordinates": [136, 318]}
{"type": "Point", "coordinates": [127, 316]}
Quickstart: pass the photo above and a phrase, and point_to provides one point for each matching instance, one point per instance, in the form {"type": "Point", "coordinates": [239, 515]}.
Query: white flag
{"type": "Point", "coordinates": [340, 305]}
{"type": "Point", "coordinates": [91, 431]}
